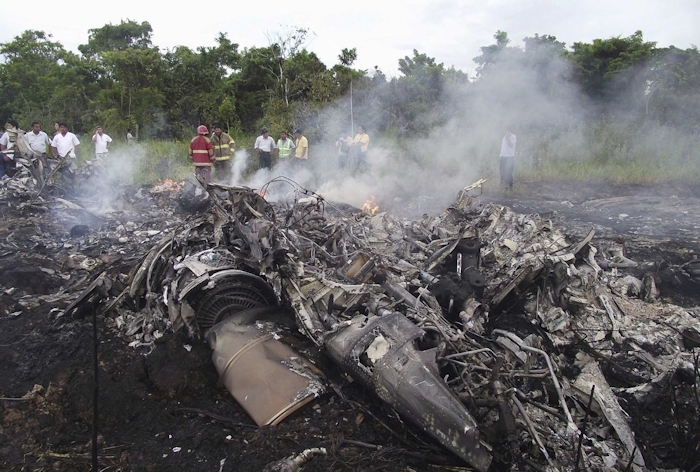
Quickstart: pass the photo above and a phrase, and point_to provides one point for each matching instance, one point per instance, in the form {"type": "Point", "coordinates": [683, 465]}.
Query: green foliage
{"type": "Point", "coordinates": [126, 35]}
{"type": "Point", "coordinates": [35, 69]}
{"type": "Point", "coordinates": [604, 66]}
{"type": "Point", "coordinates": [673, 95]}
{"type": "Point", "coordinates": [496, 53]}
{"type": "Point", "coordinates": [347, 56]}
{"type": "Point", "coordinates": [121, 80]}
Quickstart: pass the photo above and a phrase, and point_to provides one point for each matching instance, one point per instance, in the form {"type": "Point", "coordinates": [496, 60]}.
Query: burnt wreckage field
{"type": "Point", "coordinates": [477, 339]}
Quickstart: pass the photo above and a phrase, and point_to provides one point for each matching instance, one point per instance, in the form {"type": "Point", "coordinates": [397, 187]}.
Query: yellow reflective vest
{"type": "Point", "coordinates": [285, 148]}
{"type": "Point", "coordinates": [223, 146]}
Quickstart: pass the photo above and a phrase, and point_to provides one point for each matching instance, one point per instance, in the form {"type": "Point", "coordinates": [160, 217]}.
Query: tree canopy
{"type": "Point", "coordinates": [120, 79]}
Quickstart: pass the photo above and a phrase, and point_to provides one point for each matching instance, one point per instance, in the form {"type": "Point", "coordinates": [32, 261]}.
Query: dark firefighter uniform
{"type": "Point", "coordinates": [224, 146]}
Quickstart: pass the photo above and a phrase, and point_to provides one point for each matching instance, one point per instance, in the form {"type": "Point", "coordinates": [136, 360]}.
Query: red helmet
{"type": "Point", "coordinates": [202, 129]}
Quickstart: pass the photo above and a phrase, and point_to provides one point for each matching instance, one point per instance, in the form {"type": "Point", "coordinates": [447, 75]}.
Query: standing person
{"type": "Point", "coordinates": [359, 147]}
{"type": "Point", "coordinates": [38, 140]}
{"type": "Point", "coordinates": [202, 153]}
{"type": "Point", "coordinates": [129, 137]}
{"type": "Point", "coordinates": [265, 144]}
{"type": "Point", "coordinates": [507, 161]}
{"type": "Point", "coordinates": [40, 144]}
{"type": "Point", "coordinates": [343, 147]}
{"type": "Point", "coordinates": [285, 146]}
{"type": "Point", "coordinates": [301, 154]}
{"type": "Point", "coordinates": [55, 128]}
{"type": "Point", "coordinates": [224, 145]}
{"type": "Point", "coordinates": [65, 146]}
{"type": "Point", "coordinates": [8, 143]}
{"type": "Point", "coordinates": [102, 142]}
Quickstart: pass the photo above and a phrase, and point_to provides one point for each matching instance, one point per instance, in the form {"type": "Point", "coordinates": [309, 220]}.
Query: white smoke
{"type": "Point", "coordinates": [109, 175]}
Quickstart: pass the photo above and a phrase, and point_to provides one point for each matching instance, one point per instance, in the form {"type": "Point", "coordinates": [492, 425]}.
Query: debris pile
{"type": "Point", "coordinates": [488, 329]}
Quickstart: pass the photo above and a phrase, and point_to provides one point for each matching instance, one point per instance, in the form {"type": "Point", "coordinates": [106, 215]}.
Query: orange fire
{"type": "Point", "coordinates": [167, 185]}
{"type": "Point", "coordinates": [262, 193]}
{"type": "Point", "coordinates": [369, 206]}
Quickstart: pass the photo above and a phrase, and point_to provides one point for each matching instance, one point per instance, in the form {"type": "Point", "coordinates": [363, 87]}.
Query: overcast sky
{"type": "Point", "coordinates": [451, 31]}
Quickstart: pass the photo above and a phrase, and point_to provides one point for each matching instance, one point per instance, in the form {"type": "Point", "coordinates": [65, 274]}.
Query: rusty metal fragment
{"type": "Point", "coordinates": [265, 376]}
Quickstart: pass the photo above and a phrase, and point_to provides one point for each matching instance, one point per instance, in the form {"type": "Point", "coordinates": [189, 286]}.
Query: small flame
{"type": "Point", "coordinates": [369, 206]}
{"type": "Point", "coordinates": [262, 193]}
{"type": "Point", "coordinates": [167, 185]}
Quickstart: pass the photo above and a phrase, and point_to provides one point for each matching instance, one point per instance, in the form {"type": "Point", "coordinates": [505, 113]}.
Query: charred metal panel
{"type": "Point", "coordinates": [380, 352]}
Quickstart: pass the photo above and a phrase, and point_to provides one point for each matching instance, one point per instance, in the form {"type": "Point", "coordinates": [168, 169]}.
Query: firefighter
{"type": "Point", "coordinates": [202, 153]}
{"type": "Point", "coordinates": [224, 145]}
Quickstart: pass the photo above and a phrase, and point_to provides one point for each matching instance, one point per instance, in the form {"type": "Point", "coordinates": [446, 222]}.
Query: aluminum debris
{"type": "Point", "coordinates": [485, 328]}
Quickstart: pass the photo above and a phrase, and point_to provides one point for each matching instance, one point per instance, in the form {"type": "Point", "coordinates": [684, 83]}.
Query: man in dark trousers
{"type": "Point", "coordinates": [507, 158]}
{"type": "Point", "coordinates": [264, 145]}
{"type": "Point", "coordinates": [224, 145]}
{"type": "Point", "coordinates": [202, 153]}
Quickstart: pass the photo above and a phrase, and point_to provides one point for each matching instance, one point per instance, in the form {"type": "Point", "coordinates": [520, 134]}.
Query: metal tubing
{"type": "Point", "coordinates": [560, 393]}
{"type": "Point", "coordinates": [531, 427]}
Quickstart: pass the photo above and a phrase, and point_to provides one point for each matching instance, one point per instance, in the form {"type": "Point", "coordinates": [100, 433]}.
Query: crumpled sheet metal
{"type": "Point", "coordinates": [555, 285]}
{"type": "Point", "coordinates": [379, 352]}
{"type": "Point", "coordinates": [609, 406]}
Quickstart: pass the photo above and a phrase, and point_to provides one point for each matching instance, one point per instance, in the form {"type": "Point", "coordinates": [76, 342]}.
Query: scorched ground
{"type": "Point", "coordinates": [599, 308]}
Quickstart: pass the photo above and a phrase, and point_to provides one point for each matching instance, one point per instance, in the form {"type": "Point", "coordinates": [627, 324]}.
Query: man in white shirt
{"type": "Point", "coordinates": [102, 142]}
{"type": "Point", "coordinates": [507, 161]}
{"type": "Point", "coordinates": [38, 140]}
{"type": "Point", "coordinates": [265, 144]}
{"type": "Point", "coordinates": [65, 144]}
{"type": "Point", "coordinates": [65, 147]}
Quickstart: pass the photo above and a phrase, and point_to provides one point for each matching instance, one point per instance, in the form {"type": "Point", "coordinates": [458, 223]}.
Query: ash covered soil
{"type": "Point", "coordinates": [166, 411]}
{"type": "Point", "coordinates": [658, 225]}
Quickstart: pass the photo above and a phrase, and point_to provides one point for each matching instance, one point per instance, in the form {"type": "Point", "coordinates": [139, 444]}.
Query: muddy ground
{"type": "Point", "coordinates": [166, 411]}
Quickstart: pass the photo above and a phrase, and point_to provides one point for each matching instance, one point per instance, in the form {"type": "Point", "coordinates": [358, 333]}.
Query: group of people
{"type": "Point", "coordinates": [63, 145]}
{"type": "Point", "coordinates": [61, 149]}
{"type": "Point", "coordinates": [216, 150]}
{"type": "Point", "coordinates": [206, 151]}
{"type": "Point", "coordinates": [352, 152]}
{"type": "Point", "coordinates": [282, 148]}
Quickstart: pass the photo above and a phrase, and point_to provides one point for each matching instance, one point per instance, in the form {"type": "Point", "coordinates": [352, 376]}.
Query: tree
{"type": "Point", "coordinates": [33, 71]}
{"type": "Point", "coordinates": [414, 100]}
{"type": "Point", "coordinates": [137, 74]}
{"type": "Point", "coordinates": [605, 68]}
{"type": "Point", "coordinates": [283, 45]}
{"type": "Point", "coordinates": [347, 56]}
{"type": "Point", "coordinates": [126, 35]}
{"type": "Point", "coordinates": [196, 83]}
{"type": "Point", "coordinates": [673, 87]}
{"type": "Point", "coordinates": [493, 54]}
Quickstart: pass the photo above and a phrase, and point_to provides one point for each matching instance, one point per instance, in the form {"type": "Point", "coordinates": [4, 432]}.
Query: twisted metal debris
{"type": "Point", "coordinates": [482, 326]}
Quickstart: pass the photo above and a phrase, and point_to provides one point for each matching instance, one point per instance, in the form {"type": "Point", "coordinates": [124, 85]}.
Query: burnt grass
{"type": "Point", "coordinates": [166, 410]}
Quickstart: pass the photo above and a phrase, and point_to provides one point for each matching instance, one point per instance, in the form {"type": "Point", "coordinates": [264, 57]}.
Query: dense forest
{"type": "Point", "coordinates": [121, 80]}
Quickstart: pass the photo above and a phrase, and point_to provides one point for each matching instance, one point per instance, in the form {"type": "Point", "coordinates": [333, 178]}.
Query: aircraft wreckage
{"type": "Point", "coordinates": [481, 326]}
